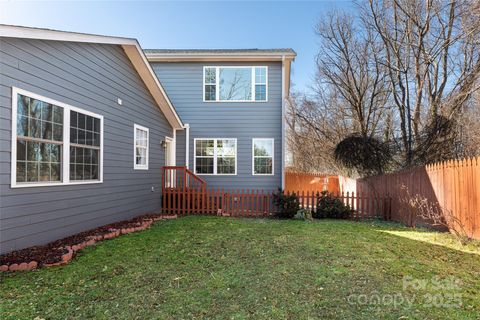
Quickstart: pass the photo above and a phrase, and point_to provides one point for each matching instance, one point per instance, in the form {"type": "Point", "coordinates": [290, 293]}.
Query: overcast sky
{"type": "Point", "coordinates": [185, 25]}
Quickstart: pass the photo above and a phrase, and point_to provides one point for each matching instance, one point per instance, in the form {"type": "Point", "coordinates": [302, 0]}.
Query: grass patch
{"type": "Point", "coordinates": [220, 268]}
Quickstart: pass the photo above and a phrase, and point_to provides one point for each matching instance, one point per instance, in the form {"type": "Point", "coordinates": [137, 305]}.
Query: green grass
{"type": "Point", "coordinates": [221, 268]}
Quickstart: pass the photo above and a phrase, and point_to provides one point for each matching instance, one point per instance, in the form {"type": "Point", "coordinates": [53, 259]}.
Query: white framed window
{"type": "Point", "coordinates": [235, 83]}
{"type": "Point", "coordinates": [141, 146]}
{"type": "Point", "coordinates": [262, 156]}
{"type": "Point", "coordinates": [54, 143]}
{"type": "Point", "coordinates": [215, 156]}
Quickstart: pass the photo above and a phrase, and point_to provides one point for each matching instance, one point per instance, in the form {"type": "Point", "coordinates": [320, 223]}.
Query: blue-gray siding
{"type": "Point", "coordinates": [91, 77]}
{"type": "Point", "coordinates": [183, 83]}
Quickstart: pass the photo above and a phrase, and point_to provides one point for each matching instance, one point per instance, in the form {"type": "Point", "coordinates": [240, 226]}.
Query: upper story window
{"type": "Point", "coordinates": [235, 84]}
{"type": "Point", "coordinates": [141, 147]}
{"type": "Point", "coordinates": [53, 143]}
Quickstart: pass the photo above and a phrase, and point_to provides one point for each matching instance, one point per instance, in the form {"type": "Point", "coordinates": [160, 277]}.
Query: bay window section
{"type": "Point", "coordinates": [39, 141]}
{"type": "Point", "coordinates": [235, 83]}
{"type": "Point", "coordinates": [216, 156]}
{"type": "Point", "coordinates": [262, 159]}
{"type": "Point", "coordinates": [42, 153]}
{"type": "Point", "coordinates": [84, 146]}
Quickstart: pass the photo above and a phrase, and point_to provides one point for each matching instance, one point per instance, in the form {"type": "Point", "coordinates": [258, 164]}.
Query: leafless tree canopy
{"type": "Point", "coordinates": [405, 72]}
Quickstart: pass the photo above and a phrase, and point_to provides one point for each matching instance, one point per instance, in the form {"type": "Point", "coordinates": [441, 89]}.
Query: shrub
{"type": "Point", "coordinates": [287, 204]}
{"type": "Point", "coordinates": [330, 207]}
{"type": "Point", "coordinates": [303, 214]}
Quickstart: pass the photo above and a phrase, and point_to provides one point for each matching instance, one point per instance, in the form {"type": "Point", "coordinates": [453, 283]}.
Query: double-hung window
{"type": "Point", "coordinates": [262, 158]}
{"type": "Point", "coordinates": [216, 156]}
{"type": "Point", "coordinates": [235, 83]}
{"type": "Point", "coordinates": [141, 147]}
{"type": "Point", "coordinates": [53, 143]}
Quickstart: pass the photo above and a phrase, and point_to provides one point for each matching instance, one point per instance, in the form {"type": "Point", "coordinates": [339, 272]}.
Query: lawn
{"type": "Point", "coordinates": [223, 268]}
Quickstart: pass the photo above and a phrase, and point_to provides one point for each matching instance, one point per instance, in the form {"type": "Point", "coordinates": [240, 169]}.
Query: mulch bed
{"type": "Point", "coordinates": [61, 251]}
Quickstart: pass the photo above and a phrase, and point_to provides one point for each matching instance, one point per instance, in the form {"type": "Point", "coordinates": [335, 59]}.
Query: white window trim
{"type": "Point", "coordinates": [217, 84]}
{"type": "Point", "coordinates": [135, 165]}
{"type": "Point", "coordinates": [253, 157]}
{"type": "Point", "coordinates": [214, 157]}
{"type": "Point", "coordinates": [66, 143]}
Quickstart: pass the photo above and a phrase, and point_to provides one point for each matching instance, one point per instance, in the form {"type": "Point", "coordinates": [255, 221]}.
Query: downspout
{"type": "Point", "coordinates": [187, 145]}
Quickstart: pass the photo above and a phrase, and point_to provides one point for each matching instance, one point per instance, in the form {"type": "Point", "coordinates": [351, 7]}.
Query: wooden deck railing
{"type": "Point", "coordinates": [258, 203]}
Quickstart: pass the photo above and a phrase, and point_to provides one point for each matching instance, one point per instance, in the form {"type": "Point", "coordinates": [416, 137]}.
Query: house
{"type": "Point", "coordinates": [88, 122]}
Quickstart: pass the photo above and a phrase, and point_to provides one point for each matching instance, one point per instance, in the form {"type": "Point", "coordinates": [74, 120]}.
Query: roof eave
{"type": "Point", "coordinates": [192, 57]}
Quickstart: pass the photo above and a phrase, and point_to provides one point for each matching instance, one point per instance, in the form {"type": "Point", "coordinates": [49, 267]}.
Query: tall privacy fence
{"type": "Point", "coordinates": [453, 185]}
{"type": "Point", "coordinates": [312, 182]}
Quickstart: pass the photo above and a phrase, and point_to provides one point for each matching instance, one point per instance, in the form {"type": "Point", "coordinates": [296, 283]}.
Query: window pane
{"type": "Point", "coordinates": [260, 92]}
{"type": "Point", "coordinates": [21, 171]}
{"type": "Point", "coordinates": [81, 121]}
{"type": "Point", "coordinates": [22, 126]}
{"type": "Point", "coordinates": [21, 150]}
{"type": "Point", "coordinates": [58, 115]}
{"type": "Point", "coordinates": [204, 165]}
{"type": "Point", "coordinates": [47, 112]}
{"type": "Point", "coordinates": [226, 165]}
{"type": "Point", "coordinates": [32, 171]}
{"type": "Point", "coordinates": [263, 166]}
{"type": "Point", "coordinates": [210, 92]}
{"type": "Point", "coordinates": [47, 132]}
{"type": "Point", "coordinates": [90, 123]}
{"type": "Point", "coordinates": [95, 173]}
{"type": "Point", "coordinates": [33, 151]}
{"type": "Point", "coordinates": [72, 172]}
{"type": "Point", "coordinates": [225, 148]}
{"type": "Point", "coordinates": [35, 128]}
{"type": "Point", "coordinates": [55, 171]}
{"type": "Point", "coordinates": [260, 75]}
{"type": "Point", "coordinates": [44, 171]}
{"type": "Point", "coordinates": [204, 148]}
{"type": "Point", "coordinates": [235, 84]}
{"type": "Point", "coordinates": [23, 105]}
{"type": "Point", "coordinates": [210, 76]}
{"type": "Point", "coordinates": [96, 125]}
{"type": "Point", "coordinates": [35, 108]}
{"type": "Point", "coordinates": [73, 119]}
{"type": "Point", "coordinates": [96, 141]}
{"type": "Point", "coordinates": [263, 148]}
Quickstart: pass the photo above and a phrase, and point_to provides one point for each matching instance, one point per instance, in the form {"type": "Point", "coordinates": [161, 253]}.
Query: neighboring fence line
{"type": "Point", "coordinates": [307, 181]}
{"type": "Point", "coordinates": [258, 203]}
{"type": "Point", "coordinates": [454, 185]}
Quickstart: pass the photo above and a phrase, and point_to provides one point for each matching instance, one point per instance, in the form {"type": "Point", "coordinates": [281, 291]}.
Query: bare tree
{"type": "Point", "coordinates": [405, 72]}
{"type": "Point", "coordinates": [431, 52]}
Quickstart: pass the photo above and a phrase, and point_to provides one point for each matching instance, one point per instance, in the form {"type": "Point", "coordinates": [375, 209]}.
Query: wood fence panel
{"type": "Point", "coordinates": [454, 185]}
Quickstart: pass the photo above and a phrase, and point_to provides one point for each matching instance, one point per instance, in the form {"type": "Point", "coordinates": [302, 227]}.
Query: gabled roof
{"type": "Point", "coordinates": [131, 47]}
{"type": "Point", "coordinates": [172, 55]}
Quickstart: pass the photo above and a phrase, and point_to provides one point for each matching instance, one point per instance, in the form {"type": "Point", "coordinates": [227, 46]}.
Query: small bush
{"type": "Point", "coordinates": [303, 214]}
{"type": "Point", "coordinates": [287, 204]}
{"type": "Point", "coordinates": [330, 207]}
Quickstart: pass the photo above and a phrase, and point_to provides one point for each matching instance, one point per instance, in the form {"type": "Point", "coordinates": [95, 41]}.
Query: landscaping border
{"type": "Point", "coordinates": [61, 252]}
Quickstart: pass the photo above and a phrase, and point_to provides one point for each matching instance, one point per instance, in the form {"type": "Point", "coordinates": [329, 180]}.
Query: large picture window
{"type": "Point", "coordinates": [42, 153]}
{"type": "Point", "coordinates": [141, 147]}
{"type": "Point", "coordinates": [216, 156]}
{"type": "Point", "coordinates": [262, 159]}
{"type": "Point", "coordinates": [235, 84]}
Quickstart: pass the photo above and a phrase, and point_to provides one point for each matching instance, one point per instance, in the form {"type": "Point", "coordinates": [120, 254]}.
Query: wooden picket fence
{"type": "Point", "coordinates": [258, 203]}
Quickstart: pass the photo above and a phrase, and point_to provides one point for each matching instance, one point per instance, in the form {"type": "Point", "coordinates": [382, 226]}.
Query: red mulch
{"type": "Point", "coordinates": [53, 251]}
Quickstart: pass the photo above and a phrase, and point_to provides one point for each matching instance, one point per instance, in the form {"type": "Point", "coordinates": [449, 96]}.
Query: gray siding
{"type": "Point", "coordinates": [91, 77]}
{"type": "Point", "coordinates": [183, 83]}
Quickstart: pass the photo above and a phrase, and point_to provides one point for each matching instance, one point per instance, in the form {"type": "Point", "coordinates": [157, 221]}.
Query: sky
{"type": "Point", "coordinates": [188, 25]}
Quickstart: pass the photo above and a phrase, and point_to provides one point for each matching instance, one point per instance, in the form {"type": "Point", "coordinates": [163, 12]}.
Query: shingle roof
{"type": "Point", "coordinates": [220, 51]}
